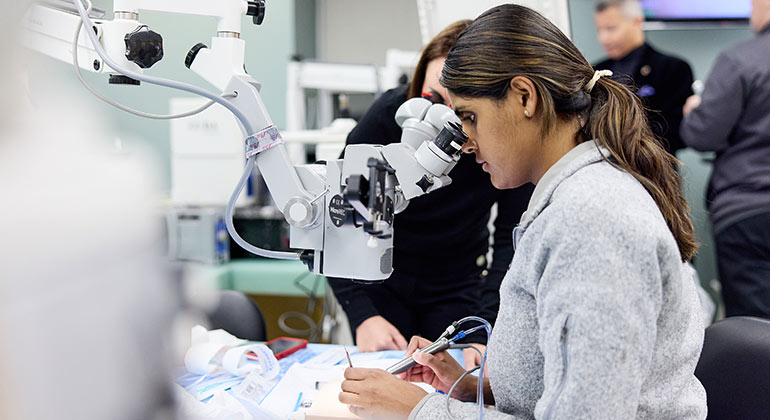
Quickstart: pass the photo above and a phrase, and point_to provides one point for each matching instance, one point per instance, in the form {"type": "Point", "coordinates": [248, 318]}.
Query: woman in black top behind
{"type": "Point", "coordinates": [440, 270]}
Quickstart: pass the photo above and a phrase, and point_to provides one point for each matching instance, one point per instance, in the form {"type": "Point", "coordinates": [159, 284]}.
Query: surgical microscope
{"type": "Point", "coordinates": [341, 211]}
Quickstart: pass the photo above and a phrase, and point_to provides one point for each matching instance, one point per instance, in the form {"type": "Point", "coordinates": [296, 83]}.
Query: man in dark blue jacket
{"type": "Point", "coordinates": [661, 81]}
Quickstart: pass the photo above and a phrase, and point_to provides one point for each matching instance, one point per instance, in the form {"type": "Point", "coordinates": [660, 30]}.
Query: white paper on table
{"type": "Point", "coordinates": [299, 379]}
{"type": "Point", "coordinates": [235, 361]}
{"type": "Point", "coordinates": [198, 358]}
{"type": "Point", "coordinates": [218, 347]}
{"type": "Point", "coordinates": [326, 403]}
{"type": "Point", "coordinates": [363, 359]}
{"type": "Point", "coordinates": [254, 387]}
{"type": "Point", "coordinates": [221, 406]}
{"type": "Point", "coordinates": [208, 385]}
{"type": "Point", "coordinates": [329, 357]}
{"type": "Point", "coordinates": [205, 347]}
{"type": "Point", "coordinates": [201, 335]}
{"type": "Point", "coordinates": [302, 378]}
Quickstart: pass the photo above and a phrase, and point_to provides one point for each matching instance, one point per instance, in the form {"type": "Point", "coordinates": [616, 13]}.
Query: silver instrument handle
{"type": "Point", "coordinates": [439, 345]}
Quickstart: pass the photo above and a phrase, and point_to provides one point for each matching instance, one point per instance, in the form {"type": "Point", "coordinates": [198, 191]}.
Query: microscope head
{"type": "Point", "coordinates": [431, 144]}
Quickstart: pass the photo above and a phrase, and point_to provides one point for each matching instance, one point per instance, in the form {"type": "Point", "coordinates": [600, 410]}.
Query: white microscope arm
{"type": "Point", "coordinates": [340, 212]}
{"type": "Point", "coordinates": [51, 31]}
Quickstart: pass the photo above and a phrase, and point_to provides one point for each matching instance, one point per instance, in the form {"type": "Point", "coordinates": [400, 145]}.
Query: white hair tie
{"type": "Point", "coordinates": [597, 75]}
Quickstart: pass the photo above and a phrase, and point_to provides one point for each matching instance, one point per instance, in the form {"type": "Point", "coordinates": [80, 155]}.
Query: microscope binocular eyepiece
{"type": "Point", "coordinates": [451, 139]}
{"type": "Point", "coordinates": [439, 155]}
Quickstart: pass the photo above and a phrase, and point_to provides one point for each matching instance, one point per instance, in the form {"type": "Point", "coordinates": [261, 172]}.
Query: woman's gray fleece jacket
{"type": "Point", "coordinates": [598, 317]}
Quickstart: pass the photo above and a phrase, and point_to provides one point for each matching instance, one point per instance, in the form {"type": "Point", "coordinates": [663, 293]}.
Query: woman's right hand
{"type": "Point", "coordinates": [438, 370]}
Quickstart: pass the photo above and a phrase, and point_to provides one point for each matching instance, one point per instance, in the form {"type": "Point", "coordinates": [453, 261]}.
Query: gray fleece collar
{"type": "Point", "coordinates": [581, 155]}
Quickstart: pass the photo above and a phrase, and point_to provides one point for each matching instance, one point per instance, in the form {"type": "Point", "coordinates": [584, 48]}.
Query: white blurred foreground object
{"type": "Point", "coordinates": [85, 306]}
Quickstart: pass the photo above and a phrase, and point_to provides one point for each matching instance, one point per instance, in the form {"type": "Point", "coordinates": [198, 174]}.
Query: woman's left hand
{"type": "Point", "coordinates": [376, 394]}
{"type": "Point", "coordinates": [472, 358]}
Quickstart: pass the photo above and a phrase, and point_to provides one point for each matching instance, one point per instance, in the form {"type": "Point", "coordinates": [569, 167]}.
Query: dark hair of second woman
{"type": "Point", "coordinates": [438, 47]}
{"type": "Point", "coordinates": [512, 40]}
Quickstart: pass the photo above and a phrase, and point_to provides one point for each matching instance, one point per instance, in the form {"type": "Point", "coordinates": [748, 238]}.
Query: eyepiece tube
{"type": "Point", "coordinates": [451, 138]}
{"type": "Point", "coordinates": [439, 155]}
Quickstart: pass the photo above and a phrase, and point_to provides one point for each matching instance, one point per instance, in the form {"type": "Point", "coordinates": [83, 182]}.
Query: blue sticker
{"type": "Point", "coordinates": [646, 91]}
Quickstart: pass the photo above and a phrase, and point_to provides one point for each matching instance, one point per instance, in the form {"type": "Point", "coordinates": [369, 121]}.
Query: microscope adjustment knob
{"type": "Point", "coordinates": [144, 47]}
{"type": "Point", "coordinates": [300, 212]}
{"type": "Point", "coordinates": [119, 79]}
{"type": "Point", "coordinates": [257, 10]}
{"type": "Point", "coordinates": [424, 183]}
{"type": "Point", "coordinates": [193, 53]}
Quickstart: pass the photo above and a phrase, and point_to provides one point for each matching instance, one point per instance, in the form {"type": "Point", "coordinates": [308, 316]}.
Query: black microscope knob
{"type": "Point", "coordinates": [257, 10]}
{"type": "Point", "coordinates": [144, 47]}
{"type": "Point", "coordinates": [119, 79]}
{"type": "Point", "coordinates": [193, 53]}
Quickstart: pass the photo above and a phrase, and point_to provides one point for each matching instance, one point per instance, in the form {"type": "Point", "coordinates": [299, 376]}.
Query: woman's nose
{"type": "Point", "coordinates": [469, 147]}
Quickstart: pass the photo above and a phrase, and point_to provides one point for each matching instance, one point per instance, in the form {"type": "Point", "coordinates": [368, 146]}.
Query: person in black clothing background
{"type": "Point", "coordinates": [440, 270]}
{"type": "Point", "coordinates": [662, 82]}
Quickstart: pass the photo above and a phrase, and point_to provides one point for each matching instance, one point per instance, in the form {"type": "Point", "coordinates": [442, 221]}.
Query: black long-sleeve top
{"type": "Point", "coordinates": [442, 234]}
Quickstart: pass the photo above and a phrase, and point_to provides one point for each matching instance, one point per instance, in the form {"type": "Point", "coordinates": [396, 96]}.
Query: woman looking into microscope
{"type": "Point", "coordinates": [440, 269]}
{"type": "Point", "coordinates": [598, 317]}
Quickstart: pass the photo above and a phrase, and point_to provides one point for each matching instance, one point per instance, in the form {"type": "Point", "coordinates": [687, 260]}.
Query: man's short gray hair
{"type": "Point", "coordinates": [629, 8]}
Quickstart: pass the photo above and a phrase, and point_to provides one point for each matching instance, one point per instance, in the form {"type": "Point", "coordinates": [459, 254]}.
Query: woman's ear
{"type": "Point", "coordinates": [526, 94]}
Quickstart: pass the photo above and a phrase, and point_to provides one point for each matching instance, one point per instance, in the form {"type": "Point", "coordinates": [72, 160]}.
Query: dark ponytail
{"type": "Point", "coordinates": [617, 120]}
{"type": "Point", "coordinates": [511, 40]}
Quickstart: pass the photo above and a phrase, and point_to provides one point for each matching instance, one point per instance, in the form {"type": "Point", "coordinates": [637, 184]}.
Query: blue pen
{"type": "Point", "coordinates": [299, 399]}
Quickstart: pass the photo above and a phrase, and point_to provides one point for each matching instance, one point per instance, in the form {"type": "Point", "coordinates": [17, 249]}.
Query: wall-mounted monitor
{"type": "Point", "coordinates": [696, 10]}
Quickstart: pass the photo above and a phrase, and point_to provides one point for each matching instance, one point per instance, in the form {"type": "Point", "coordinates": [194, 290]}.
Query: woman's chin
{"type": "Point", "coordinates": [498, 183]}
{"type": "Point", "coordinates": [504, 183]}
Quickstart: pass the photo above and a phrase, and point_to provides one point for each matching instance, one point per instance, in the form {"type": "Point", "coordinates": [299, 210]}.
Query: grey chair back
{"type": "Point", "coordinates": [239, 315]}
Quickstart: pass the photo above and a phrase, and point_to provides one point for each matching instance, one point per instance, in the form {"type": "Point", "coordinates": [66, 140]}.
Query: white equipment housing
{"type": "Point", "coordinates": [340, 212]}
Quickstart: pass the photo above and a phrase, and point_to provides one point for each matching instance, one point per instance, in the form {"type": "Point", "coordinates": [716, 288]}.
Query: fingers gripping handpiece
{"type": "Point", "coordinates": [439, 345]}
{"type": "Point", "coordinates": [443, 343]}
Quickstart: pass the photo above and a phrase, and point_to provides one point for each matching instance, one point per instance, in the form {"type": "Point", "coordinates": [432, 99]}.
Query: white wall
{"type": "Point", "coordinates": [268, 50]}
{"type": "Point", "coordinates": [359, 31]}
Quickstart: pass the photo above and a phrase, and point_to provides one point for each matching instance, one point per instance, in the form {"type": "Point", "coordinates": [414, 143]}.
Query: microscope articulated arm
{"type": "Point", "coordinates": [340, 212]}
{"type": "Point", "coordinates": [288, 192]}
{"type": "Point", "coordinates": [228, 12]}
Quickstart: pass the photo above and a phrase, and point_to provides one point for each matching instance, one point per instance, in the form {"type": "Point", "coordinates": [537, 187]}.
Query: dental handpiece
{"type": "Point", "coordinates": [439, 345]}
